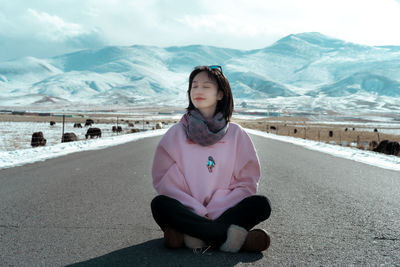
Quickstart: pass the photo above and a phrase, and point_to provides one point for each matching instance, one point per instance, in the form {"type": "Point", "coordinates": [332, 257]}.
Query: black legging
{"type": "Point", "coordinates": [169, 212]}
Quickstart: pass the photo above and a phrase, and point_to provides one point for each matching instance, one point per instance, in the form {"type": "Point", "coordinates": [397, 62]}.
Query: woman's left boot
{"type": "Point", "coordinates": [173, 238]}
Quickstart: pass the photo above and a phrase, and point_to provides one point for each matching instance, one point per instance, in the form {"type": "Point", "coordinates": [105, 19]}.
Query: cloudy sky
{"type": "Point", "coordinates": [44, 28]}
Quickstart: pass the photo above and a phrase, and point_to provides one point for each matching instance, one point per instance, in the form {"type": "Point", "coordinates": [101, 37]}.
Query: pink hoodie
{"type": "Point", "coordinates": [180, 170]}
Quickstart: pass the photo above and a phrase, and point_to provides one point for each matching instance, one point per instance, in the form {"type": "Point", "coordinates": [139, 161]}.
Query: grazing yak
{"type": "Point", "coordinates": [77, 125]}
{"type": "Point", "coordinates": [372, 145]}
{"type": "Point", "coordinates": [388, 147]}
{"type": "Point", "coordinates": [93, 132]}
{"type": "Point", "coordinates": [38, 139]}
{"type": "Point", "coordinates": [159, 125]}
{"type": "Point", "coordinates": [135, 130]}
{"type": "Point", "coordinates": [69, 137]}
{"type": "Point", "coordinates": [52, 123]}
{"type": "Point", "coordinates": [89, 122]}
{"type": "Point", "coordinates": [117, 129]}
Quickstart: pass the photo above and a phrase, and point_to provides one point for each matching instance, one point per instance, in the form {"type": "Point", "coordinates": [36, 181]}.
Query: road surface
{"type": "Point", "coordinates": [92, 209]}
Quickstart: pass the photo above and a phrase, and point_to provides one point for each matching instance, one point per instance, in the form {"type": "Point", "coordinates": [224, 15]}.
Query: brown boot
{"type": "Point", "coordinates": [257, 240]}
{"type": "Point", "coordinates": [173, 238]}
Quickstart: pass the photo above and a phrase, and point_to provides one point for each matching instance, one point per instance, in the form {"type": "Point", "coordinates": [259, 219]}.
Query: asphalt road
{"type": "Point", "coordinates": [92, 209]}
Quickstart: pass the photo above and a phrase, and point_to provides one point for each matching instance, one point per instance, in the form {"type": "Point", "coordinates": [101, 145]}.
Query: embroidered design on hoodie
{"type": "Point", "coordinates": [210, 163]}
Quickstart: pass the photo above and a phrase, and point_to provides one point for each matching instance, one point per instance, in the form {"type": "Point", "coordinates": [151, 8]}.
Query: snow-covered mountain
{"type": "Point", "coordinates": [306, 72]}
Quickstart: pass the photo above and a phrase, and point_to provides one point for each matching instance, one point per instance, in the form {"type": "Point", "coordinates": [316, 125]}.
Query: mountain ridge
{"type": "Point", "coordinates": [303, 69]}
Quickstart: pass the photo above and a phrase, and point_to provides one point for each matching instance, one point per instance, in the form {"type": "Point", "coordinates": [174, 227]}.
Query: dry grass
{"type": "Point", "coordinates": [301, 128]}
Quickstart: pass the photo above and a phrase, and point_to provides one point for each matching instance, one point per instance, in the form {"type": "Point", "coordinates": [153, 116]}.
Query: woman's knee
{"type": "Point", "coordinates": [158, 202]}
{"type": "Point", "coordinates": [263, 205]}
{"type": "Point", "coordinates": [163, 203]}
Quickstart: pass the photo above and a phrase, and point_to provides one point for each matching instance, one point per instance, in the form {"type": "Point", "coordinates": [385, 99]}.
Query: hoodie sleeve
{"type": "Point", "coordinates": [168, 180]}
{"type": "Point", "coordinates": [244, 179]}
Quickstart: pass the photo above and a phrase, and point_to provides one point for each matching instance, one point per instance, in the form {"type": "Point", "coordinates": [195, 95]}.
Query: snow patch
{"type": "Point", "coordinates": [363, 156]}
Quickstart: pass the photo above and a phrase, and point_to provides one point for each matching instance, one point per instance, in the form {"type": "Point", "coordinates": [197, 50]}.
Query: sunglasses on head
{"type": "Point", "coordinates": [213, 67]}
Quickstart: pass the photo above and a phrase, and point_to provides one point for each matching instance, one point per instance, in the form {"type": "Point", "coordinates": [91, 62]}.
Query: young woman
{"type": "Point", "coordinates": [206, 172]}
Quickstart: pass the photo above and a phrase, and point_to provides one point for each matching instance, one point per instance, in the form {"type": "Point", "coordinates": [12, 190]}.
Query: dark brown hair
{"type": "Point", "coordinates": [225, 105]}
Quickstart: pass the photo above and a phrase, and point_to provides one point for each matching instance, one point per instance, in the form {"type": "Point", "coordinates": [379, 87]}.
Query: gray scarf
{"type": "Point", "coordinates": [202, 131]}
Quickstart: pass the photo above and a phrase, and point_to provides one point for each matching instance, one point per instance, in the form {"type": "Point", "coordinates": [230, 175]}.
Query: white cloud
{"type": "Point", "coordinates": [224, 24]}
{"type": "Point", "coordinates": [30, 32]}
{"type": "Point", "coordinates": [241, 24]}
{"type": "Point", "coordinates": [53, 27]}
{"type": "Point", "coordinates": [366, 21]}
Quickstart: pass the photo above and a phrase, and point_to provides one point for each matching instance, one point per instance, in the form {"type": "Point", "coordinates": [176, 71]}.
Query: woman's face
{"type": "Point", "coordinates": [205, 94]}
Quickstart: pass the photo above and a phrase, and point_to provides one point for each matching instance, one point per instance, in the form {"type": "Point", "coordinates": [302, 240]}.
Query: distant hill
{"type": "Point", "coordinates": [307, 72]}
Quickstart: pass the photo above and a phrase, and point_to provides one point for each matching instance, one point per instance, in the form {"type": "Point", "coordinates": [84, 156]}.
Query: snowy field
{"type": "Point", "coordinates": [18, 135]}
{"type": "Point", "coordinates": [365, 156]}
{"type": "Point", "coordinates": [21, 157]}
{"type": "Point", "coordinates": [29, 155]}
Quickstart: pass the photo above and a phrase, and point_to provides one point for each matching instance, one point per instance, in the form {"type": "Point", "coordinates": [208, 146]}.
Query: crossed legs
{"type": "Point", "coordinates": [170, 213]}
